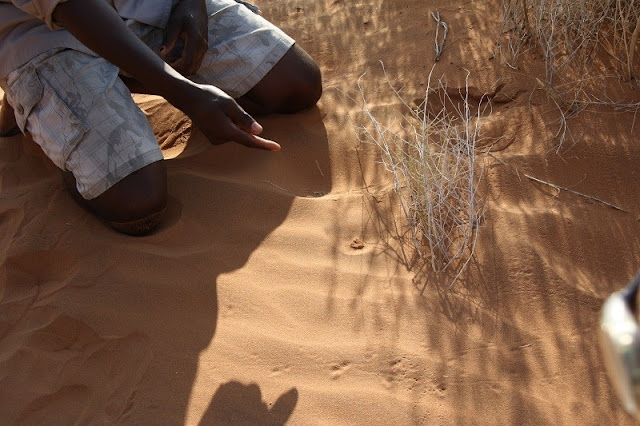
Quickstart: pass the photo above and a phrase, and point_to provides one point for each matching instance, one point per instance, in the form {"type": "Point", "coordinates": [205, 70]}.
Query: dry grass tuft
{"type": "Point", "coordinates": [585, 44]}
{"type": "Point", "coordinates": [430, 152]}
{"type": "Point", "coordinates": [570, 33]}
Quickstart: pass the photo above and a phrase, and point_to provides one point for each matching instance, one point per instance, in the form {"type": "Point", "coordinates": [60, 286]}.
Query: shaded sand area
{"type": "Point", "coordinates": [252, 306]}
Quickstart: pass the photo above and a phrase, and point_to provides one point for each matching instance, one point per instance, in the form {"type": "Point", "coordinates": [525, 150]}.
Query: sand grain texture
{"type": "Point", "coordinates": [252, 305]}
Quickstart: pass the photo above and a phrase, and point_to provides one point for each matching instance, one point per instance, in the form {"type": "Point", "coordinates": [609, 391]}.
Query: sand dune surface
{"type": "Point", "coordinates": [281, 288]}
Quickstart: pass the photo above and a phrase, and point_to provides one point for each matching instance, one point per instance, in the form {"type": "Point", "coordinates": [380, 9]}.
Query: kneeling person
{"type": "Point", "coordinates": [216, 60]}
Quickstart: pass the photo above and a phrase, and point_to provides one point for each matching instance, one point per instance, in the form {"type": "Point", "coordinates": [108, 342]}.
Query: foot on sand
{"type": "Point", "coordinates": [8, 125]}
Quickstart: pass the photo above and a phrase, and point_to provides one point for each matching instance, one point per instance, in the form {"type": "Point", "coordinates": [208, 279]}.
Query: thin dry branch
{"type": "Point", "coordinates": [580, 194]}
{"type": "Point", "coordinates": [632, 48]}
{"type": "Point", "coordinates": [440, 43]}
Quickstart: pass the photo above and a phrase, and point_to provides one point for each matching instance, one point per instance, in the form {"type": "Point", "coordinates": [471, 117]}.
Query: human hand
{"type": "Point", "coordinates": [186, 37]}
{"type": "Point", "coordinates": [222, 120]}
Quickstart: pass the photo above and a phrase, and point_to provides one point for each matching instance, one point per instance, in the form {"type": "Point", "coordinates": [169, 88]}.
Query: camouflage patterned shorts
{"type": "Point", "coordinates": [82, 115]}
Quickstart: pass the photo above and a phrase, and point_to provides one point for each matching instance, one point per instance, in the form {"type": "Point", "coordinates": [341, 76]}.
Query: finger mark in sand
{"type": "Point", "coordinates": [309, 194]}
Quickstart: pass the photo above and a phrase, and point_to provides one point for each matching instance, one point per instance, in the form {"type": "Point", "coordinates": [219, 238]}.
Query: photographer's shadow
{"type": "Point", "coordinates": [236, 403]}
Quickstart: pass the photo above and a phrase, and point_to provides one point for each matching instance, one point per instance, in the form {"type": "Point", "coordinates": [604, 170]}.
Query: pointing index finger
{"type": "Point", "coordinates": [253, 141]}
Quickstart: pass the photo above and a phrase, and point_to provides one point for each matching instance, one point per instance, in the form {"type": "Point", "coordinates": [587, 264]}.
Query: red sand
{"type": "Point", "coordinates": [252, 304]}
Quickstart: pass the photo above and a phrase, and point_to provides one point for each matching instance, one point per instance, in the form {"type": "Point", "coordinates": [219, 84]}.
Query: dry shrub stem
{"type": "Point", "coordinates": [632, 49]}
{"type": "Point", "coordinates": [430, 152]}
{"type": "Point", "coordinates": [440, 42]}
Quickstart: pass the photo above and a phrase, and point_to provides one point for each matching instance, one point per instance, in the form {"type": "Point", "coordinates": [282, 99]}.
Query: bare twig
{"type": "Point", "coordinates": [319, 169]}
{"type": "Point", "coordinates": [580, 194]}
{"type": "Point", "coordinates": [440, 44]}
{"type": "Point", "coordinates": [525, 12]}
{"type": "Point", "coordinates": [632, 47]}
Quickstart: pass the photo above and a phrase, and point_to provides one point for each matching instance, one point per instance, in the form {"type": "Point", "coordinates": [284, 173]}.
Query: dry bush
{"type": "Point", "coordinates": [570, 33]}
{"type": "Point", "coordinates": [430, 152]}
{"type": "Point", "coordinates": [579, 40]}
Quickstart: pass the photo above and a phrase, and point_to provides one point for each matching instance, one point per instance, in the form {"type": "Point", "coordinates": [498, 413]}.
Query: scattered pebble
{"type": "Point", "coordinates": [357, 244]}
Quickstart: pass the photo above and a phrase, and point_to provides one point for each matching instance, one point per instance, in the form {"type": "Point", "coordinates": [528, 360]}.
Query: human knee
{"type": "Point", "coordinates": [293, 84]}
{"type": "Point", "coordinates": [137, 203]}
{"type": "Point", "coordinates": [309, 87]}
{"type": "Point", "coordinates": [306, 84]}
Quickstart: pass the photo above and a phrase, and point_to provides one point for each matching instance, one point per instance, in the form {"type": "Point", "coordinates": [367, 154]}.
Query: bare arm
{"type": "Point", "coordinates": [217, 115]}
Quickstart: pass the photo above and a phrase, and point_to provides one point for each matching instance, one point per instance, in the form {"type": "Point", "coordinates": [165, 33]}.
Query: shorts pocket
{"type": "Point", "coordinates": [41, 111]}
{"type": "Point", "coordinates": [25, 93]}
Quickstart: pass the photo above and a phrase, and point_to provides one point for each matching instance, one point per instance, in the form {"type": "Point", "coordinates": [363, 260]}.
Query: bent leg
{"type": "Point", "coordinates": [256, 62]}
{"type": "Point", "coordinates": [293, 84]}
{"type": "Point", "coordinates": [249, 58]}
{"type": "Point", "coordinates": [79, 111]}
{"type": "Point", "coordinates": [135, 205]}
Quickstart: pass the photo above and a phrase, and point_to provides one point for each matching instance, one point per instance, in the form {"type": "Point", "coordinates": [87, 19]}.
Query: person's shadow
{"type": "Point", "coordinates": [122, 323]}
{"type": "Point", "coordinates": [255, 190]}
{"type": "Point", "coordinates": [237, 404]}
